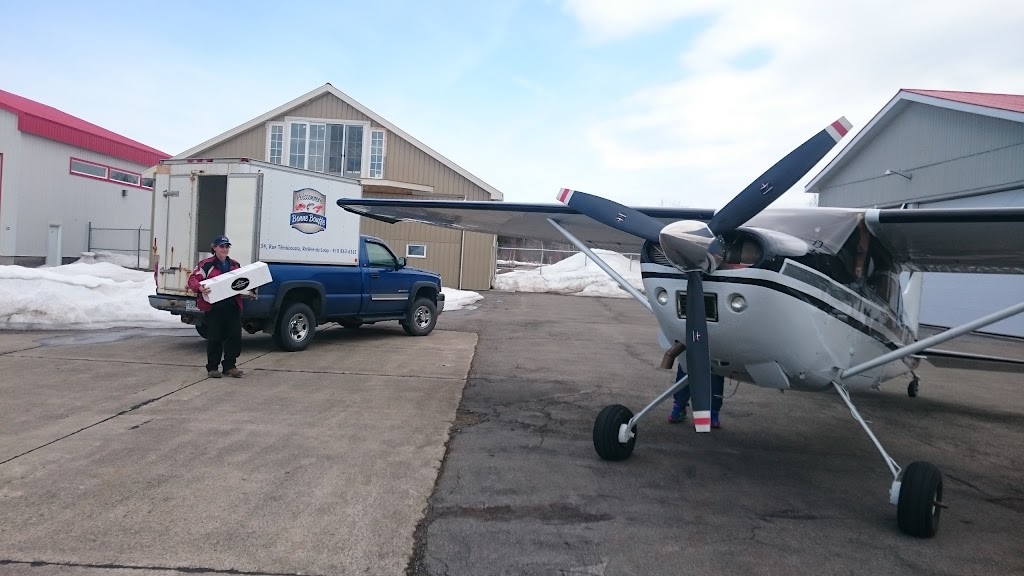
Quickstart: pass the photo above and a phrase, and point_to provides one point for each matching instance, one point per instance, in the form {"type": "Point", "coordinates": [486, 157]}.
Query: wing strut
{"type": "Point", "coordinates": [939, 338]}
{"type": "Point", "coordinates": [603, 265]}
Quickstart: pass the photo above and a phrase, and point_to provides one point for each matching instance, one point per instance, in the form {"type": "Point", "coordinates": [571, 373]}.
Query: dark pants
{"type": "Point", "coordinates": [223, 334]}
{"type": "Point", "coordinates": [682, 396]}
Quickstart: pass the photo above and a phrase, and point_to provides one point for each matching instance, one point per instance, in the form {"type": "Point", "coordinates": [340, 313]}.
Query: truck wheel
{"type": "Point", "coordinates": [201, 329]}
{"type": "Point", "coordinates": [421, 319]}
{"type": "Point", "coordinates": [295, 327]}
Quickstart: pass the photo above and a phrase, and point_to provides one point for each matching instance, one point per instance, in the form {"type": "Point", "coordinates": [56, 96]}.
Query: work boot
{"type": "Point", "coordinates": [213, 374]}
{"type": "Point", "coordinates": [678, 413]}
{"type": "Point", "coordinates": [233, 372]}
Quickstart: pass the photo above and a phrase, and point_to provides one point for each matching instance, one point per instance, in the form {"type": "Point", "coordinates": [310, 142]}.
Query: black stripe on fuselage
{"type": "Point", "coordinates": [804, 297]}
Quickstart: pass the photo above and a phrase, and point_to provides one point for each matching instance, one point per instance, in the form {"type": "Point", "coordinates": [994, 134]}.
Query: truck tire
{"type": "Point", "coordinates": [421, 318]}
{"type": "Point", "coordinates": [201, 329]}
{"type": "Point", "coordinates": [295, 327]}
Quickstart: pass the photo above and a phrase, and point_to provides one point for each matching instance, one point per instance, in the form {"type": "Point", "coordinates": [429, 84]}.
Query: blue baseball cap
{"type": "Point", "coordinates": [221, 240]}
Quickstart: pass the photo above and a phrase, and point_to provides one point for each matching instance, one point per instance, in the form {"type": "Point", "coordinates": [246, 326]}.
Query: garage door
{"type": "Point", "coordinates": [953, 299]}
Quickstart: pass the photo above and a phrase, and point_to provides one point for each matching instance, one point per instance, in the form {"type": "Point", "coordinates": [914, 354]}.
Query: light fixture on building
{"type": "Point", "coordinates": [898, 173]}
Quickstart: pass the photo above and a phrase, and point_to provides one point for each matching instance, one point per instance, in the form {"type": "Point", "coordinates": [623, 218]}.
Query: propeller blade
{"type": "Point", "coordinates": [778, 179]}
{"type": "Point", "coordinates": [612, 214]}
{"type": "Point", "coordinates": [698, 357]}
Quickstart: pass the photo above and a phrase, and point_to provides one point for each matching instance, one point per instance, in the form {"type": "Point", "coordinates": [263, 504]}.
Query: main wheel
{"type": "Point", "coordinates": [421, 319]}
{"type": "Point", "coordinates": [606, 433]}
{"type": "Point", "coordinates": [920, 502]}
{"type": "Point", "coordinates": [295, 327]}
{"type": "Point", "coordinates": [913, 387]}
{"type": "Point", "coordinates": [201, 329]}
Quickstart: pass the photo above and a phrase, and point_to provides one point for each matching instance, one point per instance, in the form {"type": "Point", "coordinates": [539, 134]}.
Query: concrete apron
{"type": "Point", "coordinates": [320, 462]}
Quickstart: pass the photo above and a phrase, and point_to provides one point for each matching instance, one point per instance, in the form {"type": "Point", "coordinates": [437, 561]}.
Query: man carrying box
{"type": "Point", "coordinates": [223, 319]}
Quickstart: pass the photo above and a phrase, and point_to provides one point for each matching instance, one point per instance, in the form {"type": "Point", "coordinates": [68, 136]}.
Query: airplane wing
{"type": "Point", "coordinates": [516, 220]}
{"type": "Point", "coordinates": [973, 240]}
{"type": "Point", "coordinates": [967, 361]}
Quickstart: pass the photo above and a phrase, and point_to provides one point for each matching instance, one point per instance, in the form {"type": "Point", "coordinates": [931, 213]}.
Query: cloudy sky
{"type": "Point", "coordinates": [648, 102]}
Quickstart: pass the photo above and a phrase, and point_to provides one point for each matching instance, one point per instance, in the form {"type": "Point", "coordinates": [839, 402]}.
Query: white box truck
{"type": "Point", "coordinates": [323, 270]}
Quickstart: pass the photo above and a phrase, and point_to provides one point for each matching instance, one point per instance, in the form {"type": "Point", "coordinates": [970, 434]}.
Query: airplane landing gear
{"type": "Point", "coordinates": [615, 426]}
{"type": "Point", "coordinates": [608, 428]}
{"type": "Point", "coordinates": [916, 491]}
{"type": "Point", "coordinates": [913, 387]}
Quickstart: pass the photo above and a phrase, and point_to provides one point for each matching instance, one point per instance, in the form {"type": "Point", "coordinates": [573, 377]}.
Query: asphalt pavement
{"type": "Point", "coordinates": [469, 452]}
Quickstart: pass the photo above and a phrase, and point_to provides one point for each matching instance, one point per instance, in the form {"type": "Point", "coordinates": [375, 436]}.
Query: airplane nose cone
{"type": "Point", "coordinates": [690, 245]}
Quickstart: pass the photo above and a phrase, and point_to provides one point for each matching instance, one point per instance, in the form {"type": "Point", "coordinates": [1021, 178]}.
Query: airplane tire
{"type": "Point", "coordinates": [917, 513]}
{"type": "Point", "coordinates": [606, 433]}
{"type": "Point", "coordinates": [913, 387]}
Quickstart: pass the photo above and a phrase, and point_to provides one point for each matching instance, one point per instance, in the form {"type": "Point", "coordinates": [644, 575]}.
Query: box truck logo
{"type": "Point", "coordinates": [308, 207]}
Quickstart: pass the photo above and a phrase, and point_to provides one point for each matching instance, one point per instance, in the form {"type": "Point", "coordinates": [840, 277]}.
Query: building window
{"type": "Point", "coordinates": [297, 146]}
{"type": "Point", "coordinates": [110, 174]}
{"type": "Point", "coordinates": [416, 250]}
{"type": "Point", "coordinates": [338, 147]}
{"type": "Point", "coordinates": [83, 168]}
{"type": "Point", "coordinates": [376, 154]}
{"type": "Point", "coordinates": [276, 142]}
{"type": "Point", "coordinates": [126, 177]}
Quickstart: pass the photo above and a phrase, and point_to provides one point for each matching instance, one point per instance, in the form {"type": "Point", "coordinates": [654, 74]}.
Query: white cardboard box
{"type": "Point", "coordinates": [237, 281]}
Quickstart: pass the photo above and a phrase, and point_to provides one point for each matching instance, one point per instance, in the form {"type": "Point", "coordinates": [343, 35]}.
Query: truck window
{"type": "Point", "coordinates": [379, 256]}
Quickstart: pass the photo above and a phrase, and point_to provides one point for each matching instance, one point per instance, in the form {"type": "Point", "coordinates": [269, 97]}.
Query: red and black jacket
{"type": "Point", "coordinates": [208, 268]}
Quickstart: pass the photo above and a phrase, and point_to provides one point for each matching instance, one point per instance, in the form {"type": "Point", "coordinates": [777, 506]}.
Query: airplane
{"type": "Point", "coordinates": [842, 285]}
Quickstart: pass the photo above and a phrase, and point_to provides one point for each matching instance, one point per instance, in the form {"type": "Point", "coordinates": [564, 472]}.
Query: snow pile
{"type": "Point", "coordinates": [459, 299]}
{"type": "Point", "coordinates": [575, 275]}
{"type": "Point", "coordinates": [78, 297]}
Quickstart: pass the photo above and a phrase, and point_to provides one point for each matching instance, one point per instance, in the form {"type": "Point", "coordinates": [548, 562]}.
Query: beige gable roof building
{"type": "Point", "coordinates": [327, 131]}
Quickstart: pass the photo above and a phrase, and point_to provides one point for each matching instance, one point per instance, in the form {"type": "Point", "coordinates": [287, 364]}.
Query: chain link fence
{"type": "Point", "coordinates": [127, 247]}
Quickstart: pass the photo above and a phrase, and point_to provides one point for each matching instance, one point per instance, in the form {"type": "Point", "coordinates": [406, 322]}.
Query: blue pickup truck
{"type": "Point", "coordinates": [302, 296]}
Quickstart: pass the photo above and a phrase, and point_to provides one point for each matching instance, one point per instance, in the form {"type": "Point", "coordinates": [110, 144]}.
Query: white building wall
{"type": "Point", "coordinates": [9, 137]}
{"type": "Point", "coordinates": [46, 192]}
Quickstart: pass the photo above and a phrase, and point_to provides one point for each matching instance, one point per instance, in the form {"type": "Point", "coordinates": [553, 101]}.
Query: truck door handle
{"type": "Point", "coordinates": [375, 276]}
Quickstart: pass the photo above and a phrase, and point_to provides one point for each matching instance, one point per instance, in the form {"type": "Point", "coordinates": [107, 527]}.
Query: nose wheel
{"type": "Point", "coordinates": [613, 438]}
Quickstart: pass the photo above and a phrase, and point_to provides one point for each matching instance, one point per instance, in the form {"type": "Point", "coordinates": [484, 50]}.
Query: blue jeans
{"type": "Point", "coordinates": [682, 396]}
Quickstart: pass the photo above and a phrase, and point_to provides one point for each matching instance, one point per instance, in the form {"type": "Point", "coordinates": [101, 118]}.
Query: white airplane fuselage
{"type": "Point", "coordinates": [793, 329]}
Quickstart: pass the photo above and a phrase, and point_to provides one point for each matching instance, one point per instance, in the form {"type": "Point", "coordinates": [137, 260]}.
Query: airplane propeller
{"type": "Point", "coordinates": [697, 248]}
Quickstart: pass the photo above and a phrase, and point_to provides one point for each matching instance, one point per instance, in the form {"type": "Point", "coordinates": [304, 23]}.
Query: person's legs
{"type": "Point", "coordinates": [717, 393]}
{"type": "Point", "coordinates": [232, 324]}
{"type": "Point", "coordinates": [680, 399]}
{"type": "Point", "coordinates": [214, 339]}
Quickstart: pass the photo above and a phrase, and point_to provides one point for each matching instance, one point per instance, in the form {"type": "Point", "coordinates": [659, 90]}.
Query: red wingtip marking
{"type": "Point", "coordinates": [840, 128]}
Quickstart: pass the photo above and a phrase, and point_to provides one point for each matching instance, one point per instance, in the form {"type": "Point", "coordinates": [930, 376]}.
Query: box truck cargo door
{"type": "Point", "coordinates": [240, 216]}
{"type": "Point", "coordinates": [176, 256]}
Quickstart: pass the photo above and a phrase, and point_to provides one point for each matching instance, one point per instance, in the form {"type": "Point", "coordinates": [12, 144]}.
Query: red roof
{"type": "Point", "coordinates": [1011, 102]}
{"type": "Point", "coordinates": [52, 124]}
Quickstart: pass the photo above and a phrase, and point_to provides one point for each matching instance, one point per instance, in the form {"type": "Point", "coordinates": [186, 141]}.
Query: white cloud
{"type": "Point", "coordinates": [721, 123]}
{"type": "Point", "coordinates": [608, 20]}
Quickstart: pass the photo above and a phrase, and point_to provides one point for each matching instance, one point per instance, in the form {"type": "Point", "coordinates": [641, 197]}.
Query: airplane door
{"type": "Point", "coordinates": [385, 283]}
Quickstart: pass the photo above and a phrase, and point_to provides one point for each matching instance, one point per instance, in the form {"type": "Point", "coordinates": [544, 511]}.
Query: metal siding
{"type": "Point", "coordinates": [249, 144]}
{"type": "Point", "coordinates": [478, 261]}
{"type": "Point", "coordinates": [48, 192]}
{"type": "Point", "coordinates": [948, 152]}
{"type": "Point", "coordinates": [9, 146]}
